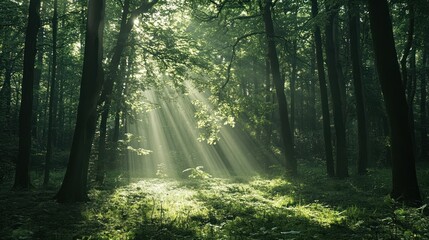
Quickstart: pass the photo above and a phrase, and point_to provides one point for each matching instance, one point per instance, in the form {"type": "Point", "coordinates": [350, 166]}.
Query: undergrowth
{"type": "Point", "coordinates": [310, 206]}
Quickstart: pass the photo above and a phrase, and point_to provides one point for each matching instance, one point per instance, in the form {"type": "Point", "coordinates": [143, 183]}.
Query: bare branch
{"type": "Point", "coordinates": [228, 71]}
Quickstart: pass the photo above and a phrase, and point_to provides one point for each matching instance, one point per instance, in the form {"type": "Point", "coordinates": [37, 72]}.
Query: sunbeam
{"type": "Point", "coordinates": [169, 131]}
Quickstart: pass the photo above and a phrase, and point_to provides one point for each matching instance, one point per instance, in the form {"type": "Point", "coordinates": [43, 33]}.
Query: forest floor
{"type": "Point", "coordinates": [310, 206]}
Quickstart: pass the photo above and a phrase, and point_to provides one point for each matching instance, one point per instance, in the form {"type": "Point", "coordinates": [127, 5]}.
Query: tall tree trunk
{"type": "Point", "coordinates": [355, 49]}
{"type": "Point", "coordinates": [409, 83]}
{"type": "Point", "coordinates": [60, 126]}
{"type": "Point", "coordinates": [408, 45]}
{"type": "Point", "coordinates": [5, 101]}
{"type": "Point", "coordinates": [125, 30]}
{"type": "Point", "coordinates": [404, 180]}
{"type": "Point", "coordinates": [312, 101]}
{"type": "Point", "coordinates": [22, 174]}
{"type": "Point", "coordinates": [323, 94]}
{"type": "Point", "coordinates": [424, 153]}
{"type": "Point", "coordinates": [36, 88]}
{"type": "Point", "coordinates": [337, 99]}
{"type": "Point", "coordinates": [52, 98]}
{"type": "Point", "coordinates": [293, 88]}
{"type": "Point", "coordinates": [286, 133]}
{"type": "Point", "coordinates": [74, 186]}
{"type": "Point", "coordinates": [268, 101]}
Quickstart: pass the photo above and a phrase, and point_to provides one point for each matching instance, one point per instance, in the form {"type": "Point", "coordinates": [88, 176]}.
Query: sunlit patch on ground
{"type": "Point", "coordinates": [310, 206]}
{"type": "Point", "coordinates": [255, 208]}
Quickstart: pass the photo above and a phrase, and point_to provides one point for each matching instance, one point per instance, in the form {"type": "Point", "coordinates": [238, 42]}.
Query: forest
{"type": "Point", "coordinates": [214, 119]}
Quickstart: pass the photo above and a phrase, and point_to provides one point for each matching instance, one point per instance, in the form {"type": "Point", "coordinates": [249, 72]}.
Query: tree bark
{"type": "Point", "coordinates": [52, 98]}
{"type": "Point", "coordinates": [404, 180]}
{"type": "Point", "coordinates": [323, 94]}
{"type": "Point", "coordinates": [125, 30]}
{"type": "Point", "coordinates": [74, 186]}
{"type": "Point", "coordinates": [362, 161]}
{"type": "Point", "coordinates": [292, 88]}
{"type": "Point", "coordinates": [5, 101]}
{"type": "Point", "coordinates": [286, 133]}
{"type": "Point", "coordinates": [424, 153]}
{"type": "Point", "coordinates": [408, 45]}
{"type": "Point", "coordinates": [337, 99]}
{"type": "Point", "coordinates": [22, 174]}
{"type": "Point", "coordinates": [36, 87]}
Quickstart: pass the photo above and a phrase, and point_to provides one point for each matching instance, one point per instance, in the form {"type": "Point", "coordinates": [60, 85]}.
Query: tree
{"type": "Point", "coordinates": [74, 186]}
{"type": "Point", "coordinates": [291, 164]}
{"type": "Point", "coordinates": [355, 49]}
{"type": "Point", "coordinates": [112, 76]}
{"type": "Point", "coordinates": [424, 153]}
{"type": "Point", "coordinates": [52, 97]}
{"type": "Point", "coordinates": [404, 180]}
{"type": "Point", "coordinates": [323, 94]}
{"type": "Point", "coordinates": [22, 175]}
{"type": "Point", "coordinates": [337, 99]}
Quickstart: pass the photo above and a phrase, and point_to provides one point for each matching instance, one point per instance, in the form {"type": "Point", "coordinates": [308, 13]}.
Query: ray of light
{"type": "Point", "coordinates": [170, 132]}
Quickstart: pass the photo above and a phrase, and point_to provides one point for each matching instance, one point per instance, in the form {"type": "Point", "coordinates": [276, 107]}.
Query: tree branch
{"type": "Point", "coordinates": [237, 41]}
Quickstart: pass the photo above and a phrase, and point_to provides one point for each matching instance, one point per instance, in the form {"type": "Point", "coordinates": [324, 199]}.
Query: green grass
{"type": "Point", "coordinates": [310, 206]}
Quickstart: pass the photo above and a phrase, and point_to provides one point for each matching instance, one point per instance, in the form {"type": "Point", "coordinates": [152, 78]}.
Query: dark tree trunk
{"type": "Point", "coordinates": [61, 138]}
{"type": "Point", "coordinates": [36, 88]}
{"type": "Point", "coordinates": [404, 180]}
{"type": "Point", "coordinates": [412, 89]}
{"type": "Point", "coordinates": [292, 88]}
{"type": "Point", "coordinates": [337, 99]}
{"type": "Point", "coordinates": [74, 186]}
{"type": "Point", "coordinates": [286, 133]}
{"type": "Point", "coordinates": [408, 45]}
{"type": "Point", "coordinates": [268, 101]}
{"type": "Point", "coordinates": [424, 153]}
{"type": "Point", "coordinates": [5, 101]}
{"type": "Point", "coordinates": [312, 101]}
{"type": "Point", "coordinates": [108, 89]}
{"type": "Point", "coordinates": [409, 82]}
{"type": "Point", "coordinates": [22, 174]}
{"type": "Point", "coordinates": [125, 30]}
{"type": "Point", "coordinates": [323, 94]}
{"type": "Point", "coordinates": [355, 49]}
{"type": "Point", "coordinates": [60, 126]}
{"type": "Point", "coordinates": [52, 98]}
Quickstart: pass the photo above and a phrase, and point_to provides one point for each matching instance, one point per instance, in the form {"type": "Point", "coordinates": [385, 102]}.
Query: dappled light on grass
{"type": "Point", "coordinates": [213, 208]}
{"type": "Point", "coordinates": [309, 206]}
{"type": "Point", "coordinates": [166, 139]}
{"type": "Point", "coordinates": [206, 209]}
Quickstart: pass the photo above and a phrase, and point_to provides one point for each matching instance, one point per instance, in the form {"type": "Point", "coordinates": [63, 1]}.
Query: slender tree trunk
{"type": "Point", "coordinates": [60, 138]}
{"type": "Point", "coordinates": [22, 172]}
{"type": "Point", "coordinates": [424, 153]}
{"type": "Point", "coordinates": [323, 94]}
{"type": "Point", "coordinates": [409, 83]}
{"type": "Point", "coordinates": [108, 89]}
{"type": "Point", "coordinates": [268, 101]}
{"type": "Point", "coordinates": [286, 133]}
{"type": "Point", "coordinates": [293, 88]}
{"type": "Point", "coordinates": [5, 100]}
{"type": "Point", "coordinates": [408, 45]}
{"type": "Point", "coordinates": [36, 88]}
{"type": "Point", "coordinates": [404, 180]}
{"type": "Point", "coordinates": [61, 131]}
{"type": "Point", "coordinates": [362, 161]}
{"type": "Point", "coordinates": [412, 89]}
{"type": "Point", "coordinates": [337, 99]}
{"type": "Point", "coordinates": [52, 98]}
{"type": "Point", "coordinates": [125, 30]}
{"type": "Point", "coordinates": [74, 186]}
{"type": "Point", "coordinates": [312, 101]}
